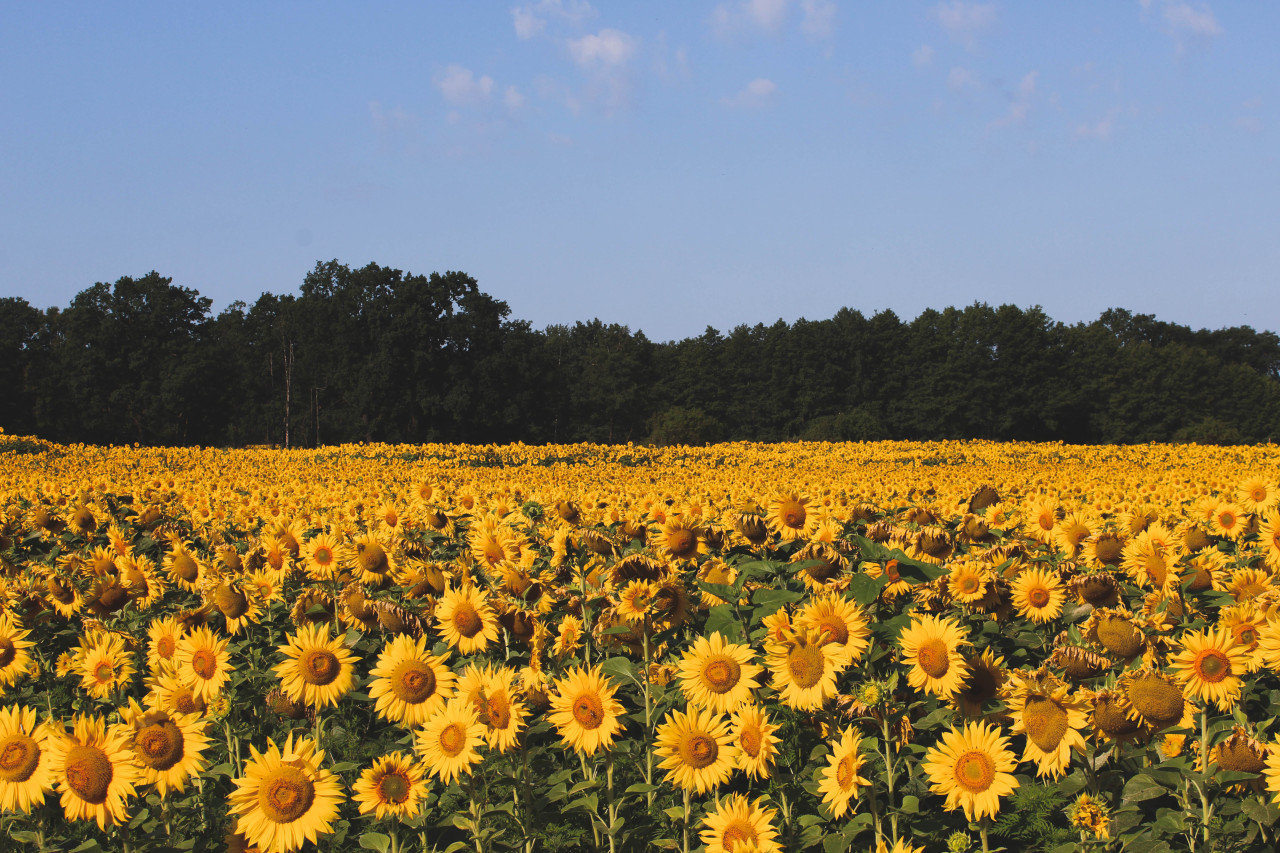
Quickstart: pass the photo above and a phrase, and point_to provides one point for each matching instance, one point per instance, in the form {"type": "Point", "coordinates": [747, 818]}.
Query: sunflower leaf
{"type": "Point", "coordinates": [375, 841]}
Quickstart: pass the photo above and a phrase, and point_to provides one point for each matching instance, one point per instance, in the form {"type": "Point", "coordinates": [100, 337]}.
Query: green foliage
{"type": "Point", "coordinates": [680, 425]}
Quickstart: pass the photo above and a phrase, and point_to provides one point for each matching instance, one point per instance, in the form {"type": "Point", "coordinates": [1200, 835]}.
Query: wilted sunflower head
{"type": "Point", "coordinates": [1156, 698]}
{"type": "Point", "coordinates": [1116, 632]}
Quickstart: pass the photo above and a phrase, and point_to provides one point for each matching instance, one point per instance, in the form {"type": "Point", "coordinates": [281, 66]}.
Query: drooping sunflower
{"type": "Point", "coordinates": [1210, 665]}
{"type": "Point", "coordinates": [737, 822]}
{"type": "Point", "coordinates": [1038, 595]}
{"type": "Point", "coordinates": [931, 646]}
{"type": "Point", "coordinates": [105, 665]}
{"type": "Point", "coordinates": [1242, 753]}
{"type": "Point", "coordinates": [1050, 717]}
{"type": "Point", "coordinates": [804, 669]}
{"type": "Point", "coordinates": [410, 684]}
{"type": "Point", "coordinates": [838, 782]}
{"type": "Point", "coordinates": [1156, 698]}
{"type": "Point", "coordinates": [286, 796]}
{"type": "Point", "coordinates": [584, 711]}
{"type": "Point", "coordinates": [983, 684]}
{"type": "Point", "coordinates": [319, 670]}
{"type": "Point", "coordinates": [238, 602]}
{"type": "Point", "coordinates": [837, 620]}
{"type": "Point", "coordinates": [14, 657]}
{"type": "Point", "coordinates": [1248, 584]}
{"type": "Point", "coordinates": [697, 749]}
{"type": "Point", "coordinates": [372, 558]}
{"type": "Point", "coordinates": [790, 517]}
{"type": "Point", "coordinates": [1115, 631]}
{"type": "Point", "coordinates": [202, 662]}
{"type": "Point", "coordinates": [718, 675]}
{"type": "Point", "coordinates": [167, 746]}
{"type": "Point", "coordinates": [26, 772]}
{"type": "Point", "coordinates": [973, 769]}
{"type": "Point", "coordinates": [757, 743]}
{"type": "Point", "coordinates": [1112, 716]}
{"type": "Point", "coordinates": [449, 742]}
{"type": "Point", "coordinates": [94, 769]}
{"type": "Point", "coordinates": [394, 786]}
{"type": "Point", "coordinates": [466, 620]}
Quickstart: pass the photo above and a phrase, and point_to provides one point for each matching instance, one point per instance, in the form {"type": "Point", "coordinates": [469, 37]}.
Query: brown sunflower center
{"type": "Point", "coordinates": [1038, 596]}
{"type": "Point", "coordinates": [373, 558]}
{"type": "Point", "coordinates": [285, 794]}
{"type": "Point", "coordinates": [166, 646]}
{"type": "Point", "coordinates": [393, 788]}
{"type": "Point", "coordinates": [588, 710]}
{"type": "Point", "coordinates": [497, 711]}
{"type": "Point", "coordinates": [19, 755]}
{"type": "Point", "coordinates": [1240, 755]}
{"type": "Point", "coordinates": [1110, 715]}
{"type": "Point", "coordinates": [1211, 665]}
{"type": "Point", "coordinates": [1156, 699]}
{"type": "Point", "coordinates": [323, 555]}
{"type": "Point", "coordinates": [230, 601]}
{"type": "Point", "coordinates": [682, 542]}
{"type": "Point", "coordinates": [453, 739]}
{"type": "Point", "coordinates": [1045, 721]}
{"type": "Point", "coordinates": [969, 584]}
{"type": "Point", "coordinates": [835, 630]}
{"type": "Point", "coordinates": [186, 702]}
{"type": "Point", "coordinates": [699, 750]}
{"type": "Point", "coordinates": [319, 666]}
{"type": "Point", "coordinates": [1246, 634]}
{"type": "Point", "coordinates": [847, 771]}
{"type": "Point", "coordinates": [413, 681]}
{"type": "Point", "coordinates": [751, 741]}
{"type": "Point", "coordinates": [160, 745]}
{"type": "Point", "coordinates": [205, 663]}
{"type": "Point", "coordinates": [8, 651]}
{"type": "Point", "coordinates": [792, 513]}
{"type": "Point", "coordinates": [1119, 636]}
{"type": "Point", "coordinates": [975, 771]}
{"type": "Point", "coordinates": [934, 658]}
{"type": "Point", "coordinates": [466, 620]}
{"type": "Point", "coordinates": [722, 674]}
{"type": "Point", "coordinates": [738, 832]}
{"type": "Point", "coordinates": [981, 684]}
{"type": "Point", "coordinates": [88, 773]}
{"type": "Point", "coordinates": [104, 672]}
{"type": "Point", "coordinates": [806, 665]}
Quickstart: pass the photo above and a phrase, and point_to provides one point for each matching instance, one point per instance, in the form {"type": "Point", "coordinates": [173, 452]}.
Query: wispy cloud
{"type": "Point", "coordinates": [531, 19]}
{"type": "Point", "coordinates": [460, 85]}
{"type": "Point", "coordinates": [1099, 130]}
{"type": "Point", "coordinates": [1020, 101]}
{"type": "Point", "coordinates": [818, 18]}
{"type": "Point", "coordinates": [758, 92]}
{"type": "Point", "coordinates": [922, 56]}
{"type": "Point", "coordinates": [964, 21]}
{"type": "Point", "coordinates": [606, 48]}
{"type": "Point", "coordinates": [961, 79]}
{"type": "Point", "coordinates": [1183, 22]}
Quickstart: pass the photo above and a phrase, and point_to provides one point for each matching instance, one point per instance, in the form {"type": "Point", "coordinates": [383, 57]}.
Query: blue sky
{"type": "Point", "coordinates": [665, 165]}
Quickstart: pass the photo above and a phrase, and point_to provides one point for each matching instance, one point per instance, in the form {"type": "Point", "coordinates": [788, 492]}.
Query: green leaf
{"type": "Point", "coordinates": [343, 767]}
{"type": "Point", "coordinates": [641, 788]}
{"type": "Point", "coordinates": [767, 601]}
{"type": "Point", "coordinates": [1263, 813]}
{"type": "Point", "coordinates": [619, 669]}
{"type": "Point", "coordinates": [675, 812]}
{"type": "Point", "coordinates": [1141, 788]}
{"type": "Point", "coordinates": [375, 841]}
{"type": "Point", "coordinates": [25, 835]}
{"type": "Point", "coordinates": [866, 589]}
{"type": "Point", "coordinates": [89, 846]}
{"type": "Point", "coordinates": [910, 804]}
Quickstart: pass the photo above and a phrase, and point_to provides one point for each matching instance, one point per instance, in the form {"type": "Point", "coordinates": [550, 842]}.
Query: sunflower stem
{"type": "Point", "coordinates": [476, 812]}
{"type": "Point", "coordinates": [1206, 810]}
{"type": "Point", "coordinates": [983, 826]}
{"type": "Point", "coordinates": [889, 766]}
{"type": "Point", "coordinates": [684, 824]}
{"type": "Point", "coordinates": [613, 806]}
{"type": "Point", "coordinates": [648, 719]}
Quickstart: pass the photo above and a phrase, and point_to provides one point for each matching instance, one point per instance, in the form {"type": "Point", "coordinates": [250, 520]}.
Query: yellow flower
{"type": "Point", "coordinates": [584, 711]}
{"type": "Point", "coordinates": [972, 768]}
{"type": "Point", "coordinates": [466, 620]}
{"type": "Point", "coordinates": [202, 662]}
{"type": "Point", "coordinates": [838, 782]}
{"type": "Point", "coordinates": [393, 786]}
{"type": "Point", "coordinates": [757, 744]}
{"type": "Point", "coordinates": [736, 822]}
{"type": "Point", "coordinates": [697, 749]}
{"type": "Point", "coordinates": [718, 675]}
{"type": "Point", "coordinates": [285, 797]}
{"type": "Point", "coordinates": [26, 774]}
{"type": "Point", "coordinates": [1209, 666]}
{"type": "Point", "coordinates": [930, 645]}
{"type": "Point", "coordinates": [449, 741]}
{"type": "Point", "coordinates": [409, 683]}
{"type": "Point", "coordinates": [319, 670]}
{"type": "Point", "coordinates": [94, 770]}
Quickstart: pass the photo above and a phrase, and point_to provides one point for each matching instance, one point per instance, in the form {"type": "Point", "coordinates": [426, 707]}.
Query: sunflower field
{"type": "Point", "coordinates": [742, 647]}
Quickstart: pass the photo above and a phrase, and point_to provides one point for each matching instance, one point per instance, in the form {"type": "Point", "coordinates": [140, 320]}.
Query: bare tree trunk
{"type": "Point", "coordinates": [288, 389]}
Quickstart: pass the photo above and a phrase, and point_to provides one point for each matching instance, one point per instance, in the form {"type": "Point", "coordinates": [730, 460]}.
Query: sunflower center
{"type": "Point", "coordinates": [836, 630]}
{"type": "Point", "coordinates": [1120, 636]}
{"type": "Point", "coordinates": [319, 666]}
{"type": "Point", "coordinates": [89, 773]}
{"type": "Point", "coordinates": [323, 556]}
{"type": "Point", "coordinates": [413, 682]}
{"type": "Point", "coordinates": [453, 739]}
{"type": "Point", "coordinates": [588, 710]}
{"type": "Point", "coordinates": [1038, 596]}
{"type": "Point", "coordinates": [968, 584]}
{"type": "Point", "coordinates": [975, 771]}
{"type": "Point", "coordinates": [393, 788]}
{"type": "Point", "coordinates": [751, 741]}
{"type": "Point", "coordinates": [1238, 755]}
{"type": "Point", "coordinates": [1246, 635]}
{"type": "Point", "coordinates": [373, 558]}
{"type": "Point", "coordinates": [166, 646]}
{"type": "Point", "coordinates": [232, 602]}
{"type": "Point", "coordinates": [1211, 665]}
{"type": "Point", "coordinates": [699, 750]}
{"type": "Point", "coordinates": [722, 675]}
{"type": "Point", "coordinates": [186, 702]}
{"type": "Point", "coordinates": [806, 665]}
{"type": "Point", "coordinates": [934, 658]}
{"type": "Point", "coordinates": [847, 771]}
{"type": "Point", "coordinates": [205, 663]}
{"type": "Point", "coordinates": [1156, 700]}
{"type": "Point", "coordinates": [7, 651]}
{"type": "Point", "coordinates": [1045, 721]}
{"type": "Point", "coordinates": [736, 833]}
{"type": "Point", "coordinates": [103, 672]}
{"type": "Point", "coordinates": [792, 513]}
{"type": "Point", "coordinates": [466, 620]}
{"type": "Point", "coordinates": [1111, 718]}
{"type": "Point", "coordinates": [497, 711]}
{"type": "Point", "coordinates": [286, 794]}
{"type": "Point", "coordinates": [682, 543]}
{"type": "Point", "coordinates": [19, 755]}
{"type": "Point", "coordinates": [160, 745]}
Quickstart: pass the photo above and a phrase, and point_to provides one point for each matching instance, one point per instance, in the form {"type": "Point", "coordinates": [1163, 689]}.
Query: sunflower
{"type": "Point", "coordinates": [1070, 532]}
{"type": "Point", "coordinates": [697, 749]}
{"type": "Point", "coordinates": [1115, 631]}
{"type": "Point", "coordinates": [163, 636]}
{"type": "Point", "coordinates": [1248, 584]}
{"type": "Point", "coordinates": [170, 693]}
{"type": "Point", "coordinates": [167, 746]}
{"type": "Point", "coordinates": [1042, 517]}
{"type": "Point", "coordinates": [1104, 549]}
{"type": "Point", "coordinates": [25, 769]}
{"type": "Point", "coordinates": [821, 565]}
{"type": "Point", "coordinates": [105, 665]}
{"type": "Point", "coordinates": [678, 538]}
{"type": "Point", "coordinates": [1209, 666]}
{"type": "Point", "coordinates": [325, 555]}
{"type": "Point", "coordinates": [737, 822]}
{"type": "Point", "coordinates": [930, 644]}
{"type": "Point", "coordinates": [319, 670]}
{"type": "Point", "coordinates": [1228, 521]}
{"type": "Point", "coordinates": [466, 620]}
{"type": "Point", "coordinates": [238, 602]}
{"type": "Point", "coordinates": [140, 578]}
{"type": "Point", "coordinates": [491, 542]}
{"type": "Point", "coordinates": [804, 669]}
{"type": "Point", "coordinates": [838, 782]}
{"type": "Point", "coordinates": [409, 684]}
{"type": "Point", "coordinates": [789, 516]}
{"type": "Point", "coordinates": [757, 744]}
{"type": "Point", "coordinates": [836, 620]}
{"type": "Point", "coordinates": [202, 662]}
{"type": "Point", "coordinates": [370, 556]}
{"type": "Point", "coordinates": [1156, 699]}
{"type": "Point", "coordinates": [394, 786]}
{"type": "Point", "coordinates": [1049, 717]}
{"type": "Point", "coordinates": [449, 741]}
{"type": "Point", "coordinates": [584, 711]}
{"type": "Point", "coordinates": [491, 691]}
{"type": "Point", "coordinates": [967, 581]}
{"type": "Point", "coordinates": [94, 770]}
{"type": "Point", "coordinates": [983, 684]}
{"type": "Point", "coordinates": [1272, 772]}
{"type": "Point", "coordinates": [718, 675]}
{"type": "Point", "coordinates": [1242, 753]}
{"type": "Point", "coordinates": [568, 636]}
{"type": "Point", "coordinates": [973, 769]}
{"type": "Point", "coordinates": [1038, 595]}
{"type": "Point", "coordinates": [285, 797]}
{"type": "Point", "coordinates": [14, 657]}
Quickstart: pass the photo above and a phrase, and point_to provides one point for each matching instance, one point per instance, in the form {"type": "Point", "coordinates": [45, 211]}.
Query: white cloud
{"type": "Point", "coordinates": [731, 18]}
{"type": "Point", "coordinates": [512, 98]}
{"type": "Point", "coordinates": [819, 18]}
{"type": "Point", "coordinates": [389, 120]}
{"type": "Point", "coordinates": [460, 86]}
{"type": "Point", "coordinates": [606, 48]}
{"type": "Point", "coordinates": [527, 24]}
{"type": "Point", "coordinates": [531, 19]}
{"type": "Point", "coordinates": [1021, 101]}
{"type": "Point", "coordinates": [922, 56]}
{"type": "Point", "coordinates": [756, 93]}
{"type": "Point", "coordinates": [1100, 129]}
{"type": "Point", "coordinates": [964, 21]}
{"type": "Point", "coordinates": [1183, 22]}
{"type": "Point", "coordinates": [959, 79]}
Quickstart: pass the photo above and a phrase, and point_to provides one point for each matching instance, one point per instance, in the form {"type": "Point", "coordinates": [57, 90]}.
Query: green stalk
{"type": "Point", "coordinates": [1206, 810]}
{"type": "Point", "coordinates": [648, 719]}
{"type": "Point", "coordinates": [684, 825]}
{"type": "Point", "coordinates": [889, 767]}
{"type": "Point", "coordinates": [983, 826]}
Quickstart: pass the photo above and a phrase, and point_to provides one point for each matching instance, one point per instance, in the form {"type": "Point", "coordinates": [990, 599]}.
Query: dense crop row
{"type": "Point", "coordinates": [742, 647]}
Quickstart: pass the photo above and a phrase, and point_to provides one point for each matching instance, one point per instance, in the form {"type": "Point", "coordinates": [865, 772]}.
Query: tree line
{"type": "Point", "coordinates": [376, 354]}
